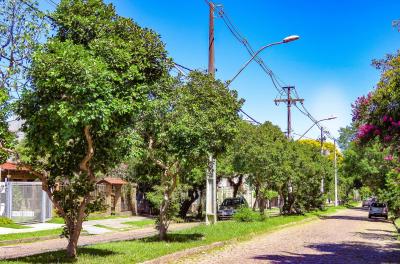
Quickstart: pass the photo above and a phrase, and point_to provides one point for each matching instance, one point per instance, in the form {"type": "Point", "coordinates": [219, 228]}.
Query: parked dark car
{"type": "Point", "coordinates": [367, 202]}
{"type": "Point", "coordinates": [229, 206]}
{"type": "Point", "coordinates": [378, 209]}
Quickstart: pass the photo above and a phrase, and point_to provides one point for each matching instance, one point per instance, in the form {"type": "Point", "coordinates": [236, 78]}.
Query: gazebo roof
{"type": "Point", "coordinates": [11, 166]}
{"type": "Point", "coordinates": [113, 181]}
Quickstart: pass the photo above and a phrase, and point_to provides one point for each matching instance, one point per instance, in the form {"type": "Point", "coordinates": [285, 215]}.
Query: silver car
{"type": "Point", "coordinates": [378, 209]}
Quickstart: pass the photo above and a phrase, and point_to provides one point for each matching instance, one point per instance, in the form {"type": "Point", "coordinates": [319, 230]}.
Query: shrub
{"type": "Point", "coordinates": [245, 214]}
{"type": "Point", "coordinates": [5, 221]}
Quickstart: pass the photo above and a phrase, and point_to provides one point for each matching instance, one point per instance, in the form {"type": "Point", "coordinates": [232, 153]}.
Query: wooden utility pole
{"type": "Point", "coordinates": [289, 101]}
{"type": "Point", "coordinates": [211, 187]}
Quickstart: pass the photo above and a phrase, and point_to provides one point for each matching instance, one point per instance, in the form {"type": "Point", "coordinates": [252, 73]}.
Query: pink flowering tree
{"type": "Point", "coordinates": [377, 118]}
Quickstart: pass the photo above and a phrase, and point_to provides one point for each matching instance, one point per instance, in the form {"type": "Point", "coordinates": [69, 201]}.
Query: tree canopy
{"type": "Point", "coordinates": [89, 83]}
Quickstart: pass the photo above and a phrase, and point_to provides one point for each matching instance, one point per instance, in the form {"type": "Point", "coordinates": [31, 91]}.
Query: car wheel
{"type": "Point", "coordinates": [369, 216]}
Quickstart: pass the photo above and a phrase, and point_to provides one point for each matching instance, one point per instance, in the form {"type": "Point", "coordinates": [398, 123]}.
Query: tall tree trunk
{"type": "Point", "coordinates": [200, 208]}
{"type": "Point", "coordinates": [236, 185]}
{"type": "Point", "coordinates": [163, 218]}
{"type": "Point", "coordinates": [75, 231]}
{"type": "Point", "coordinates": [74, 225]}
{"type": "Point", "coordinates": [193, 196]}
{"type": "Point", "coordinates": [169, 188]}
{"type": "Point", "coordinates": [256, 202]}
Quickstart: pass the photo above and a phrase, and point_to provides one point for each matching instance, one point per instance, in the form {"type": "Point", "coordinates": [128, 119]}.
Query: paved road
{"type": "Point", "coordinates": [345, 237]}
{"type": "Point", "coordinates": [22, 250]}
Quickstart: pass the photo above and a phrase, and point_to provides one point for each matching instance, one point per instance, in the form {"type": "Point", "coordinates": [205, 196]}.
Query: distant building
{"type": "Point", "coordinates": [13, 172]}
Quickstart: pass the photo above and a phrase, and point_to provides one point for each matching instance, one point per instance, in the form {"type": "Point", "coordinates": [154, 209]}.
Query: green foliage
{"type": "Point", "coordinates": [5, 221]}
{"type": "Point", "coordinates": [245, 214]}
{"type": "Point", "coordinates": [156, 198]}
{"type": "Point", "coordinates": [269, 194]}
{"type": "Point", "coordinates": [89, 84]}
{"type": "Point", "coordinates": [377, 118]}
{"type": "Point", "coordinates": [274, 165]}
{"type": "Point", "coordinates": [365, 192]}
{"type": "Point", "coordinates": [185, 122]}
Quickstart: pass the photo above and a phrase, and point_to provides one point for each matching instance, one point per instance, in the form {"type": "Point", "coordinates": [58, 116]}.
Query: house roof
{"type": "Point", "coordinates": [11, 166]}
{"type": "Point", "coordinates": [113, 181]}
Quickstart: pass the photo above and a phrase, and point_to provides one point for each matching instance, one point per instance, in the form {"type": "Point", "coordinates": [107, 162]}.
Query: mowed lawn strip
{"type": "Point", "coordinates": [42, 233]}
{"type": "Point", "coordinates": [149, 248]}
{"type": "Point", "coordinates": [60, 220]}
{"type": "Point", "coordinates": [140, 223]}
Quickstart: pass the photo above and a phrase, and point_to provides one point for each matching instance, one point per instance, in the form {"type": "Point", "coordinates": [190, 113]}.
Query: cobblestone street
{"type": "Point", "coordinates": [345, 237]}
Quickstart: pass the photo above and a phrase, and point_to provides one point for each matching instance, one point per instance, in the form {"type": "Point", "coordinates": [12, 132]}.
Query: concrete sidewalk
{"type": "Point", "coordinates": [22, 250]}
{"type": "Point", "coordinates": [31, 228]}
{"type": "Point", "coordinates": [88, 226]}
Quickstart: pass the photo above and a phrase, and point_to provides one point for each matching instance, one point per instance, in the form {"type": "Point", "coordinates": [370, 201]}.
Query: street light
{"type": "Point", "coordinates": [285, 40]}
{"type": "Point", "coordinates": [324, 119]}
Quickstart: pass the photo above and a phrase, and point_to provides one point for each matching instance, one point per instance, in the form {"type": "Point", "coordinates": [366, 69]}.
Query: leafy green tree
{"type": "Point", "coordinates": [234, 164]}
{"type": "Point", "coordinates": [377, 118]}
{"type": "Point", "coordinates": [20, 29]}
{"type": "Point", "coordinates": [303, 167]}
{"type": "Point", "coordinates": [184, 125]}
{"type": "Point", "coordinates": [90, 82]}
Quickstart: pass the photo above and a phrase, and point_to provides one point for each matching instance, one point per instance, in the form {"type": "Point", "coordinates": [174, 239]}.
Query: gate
{"type": "Point", "coordinates": [24, 202]}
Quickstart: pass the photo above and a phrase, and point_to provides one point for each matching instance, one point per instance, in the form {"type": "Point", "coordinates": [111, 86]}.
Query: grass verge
{"type": "Point", "coordinates": [14, 225]}
{"type": "Point", "coordinates": [37, 234]}
{"type": "Point", "coordinates": [141, 223]}
{"type": "Point", "coordinates": [60, 220]}
{"type": "Point", "coordinates": [149, 248]}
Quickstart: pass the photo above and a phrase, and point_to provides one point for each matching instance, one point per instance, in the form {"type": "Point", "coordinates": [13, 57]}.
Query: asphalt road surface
{"type": "Point", "coordinates": [345, 237]}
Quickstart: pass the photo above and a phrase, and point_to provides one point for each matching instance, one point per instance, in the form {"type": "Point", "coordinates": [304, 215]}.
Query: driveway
{"type": "Point", "coordinates": [345, 237]}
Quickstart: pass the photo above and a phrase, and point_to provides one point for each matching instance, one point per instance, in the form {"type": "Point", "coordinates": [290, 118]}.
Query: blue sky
{"type": "Point", "coordinates": [330, 65]}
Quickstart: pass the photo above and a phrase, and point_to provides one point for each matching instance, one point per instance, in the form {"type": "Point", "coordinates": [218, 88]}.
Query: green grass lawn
{"type": "Point", "coordinates": [36, 234]}
{"type": "Point", "coordinates": [140, 250]}
{"type": "Point", "coordinates": [59, 220]}
{"type": "Point", "coordinates": [141, 223]}
{"type": "Point", "coordinates": [14, 225]}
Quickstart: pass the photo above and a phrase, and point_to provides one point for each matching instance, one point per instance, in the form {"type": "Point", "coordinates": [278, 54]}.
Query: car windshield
{"type": "Point", "coordinates": [378, 205]}
{"type": "Point", "coordinates": [232, 202]}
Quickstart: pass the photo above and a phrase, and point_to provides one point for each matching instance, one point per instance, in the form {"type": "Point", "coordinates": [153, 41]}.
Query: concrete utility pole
{"type": "Point", "coordinates": [211, 187]}
{"type": "Point", "coordinates": [289, 101]}
{"type": "Point", "coordinates": [322, 153]}
{"type": "Point", "coordinates": [336, 177]}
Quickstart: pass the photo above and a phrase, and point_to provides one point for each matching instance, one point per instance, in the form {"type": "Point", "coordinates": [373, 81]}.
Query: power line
{"type": "Point", "coordinates": [275, 80]}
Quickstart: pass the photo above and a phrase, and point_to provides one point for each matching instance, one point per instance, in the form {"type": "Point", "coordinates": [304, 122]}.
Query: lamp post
{"type": "Point", "coordinates": [324, 119]}
{"type": "Point", "coordinates": [285, 40]}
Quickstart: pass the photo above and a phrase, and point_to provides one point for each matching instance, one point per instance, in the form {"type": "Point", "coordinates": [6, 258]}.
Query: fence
{"type": "Point", "coordinates": [24, 202]}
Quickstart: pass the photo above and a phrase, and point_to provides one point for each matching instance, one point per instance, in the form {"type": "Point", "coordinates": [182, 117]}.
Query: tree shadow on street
{"type": "Point", "coordinates": [61, 257]}
{"type": "Point", "coordinates": [178, 238]}
{"type": "Point", "coordinates": [352, 252]}
{"type": "Point", "coordinates": [356, 218]}
{"type": "Point", "coordinates": [377, 236]}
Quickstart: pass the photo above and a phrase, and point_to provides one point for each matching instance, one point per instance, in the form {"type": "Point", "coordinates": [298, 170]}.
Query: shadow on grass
{"type": "Point", "coordinates": [178, 238]}
{"type": "Point", "coordinates": [61, 257]}
{"type": "Point", "coordinates": [352, 252]}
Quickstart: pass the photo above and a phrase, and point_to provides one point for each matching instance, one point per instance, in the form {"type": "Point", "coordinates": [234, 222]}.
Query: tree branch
{"type": "Point", "coordinates": [84, 165]}
{"type": "Point", "coordinates": [159, 163]}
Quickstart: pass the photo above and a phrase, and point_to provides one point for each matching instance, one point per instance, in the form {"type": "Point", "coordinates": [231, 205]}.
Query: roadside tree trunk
{"type": "Point", "coordinates": [74, 233]}
{"type": "Point", "coordinates": [163, 218]}
{"type": "Point", "coordinates": [236, 185]}
{"type": "Point", "coordinates": [185, 206]}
